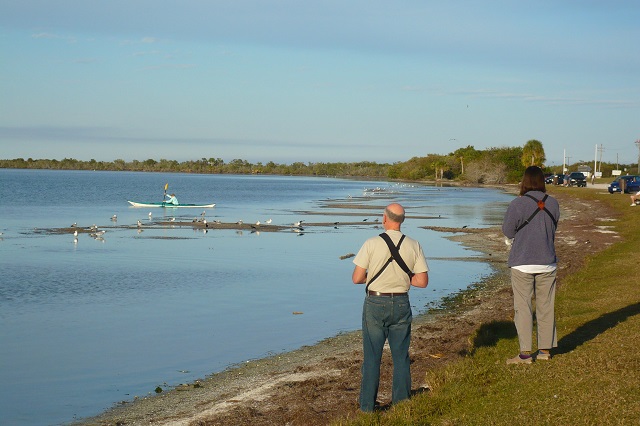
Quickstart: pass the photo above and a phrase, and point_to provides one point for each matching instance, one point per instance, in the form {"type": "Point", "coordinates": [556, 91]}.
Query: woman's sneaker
{"type": "Point", "coordinates": [520, 359]}
{"type": "Point", "coordinates": [542, 356]}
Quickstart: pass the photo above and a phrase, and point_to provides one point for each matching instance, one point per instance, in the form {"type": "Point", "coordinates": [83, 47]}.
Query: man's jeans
{"type": "Point", "coordinates": [385, 318]}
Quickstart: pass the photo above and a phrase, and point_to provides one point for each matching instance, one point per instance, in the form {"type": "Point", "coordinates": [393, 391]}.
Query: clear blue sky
{"type": "Point", "coordinates": [317, 81]}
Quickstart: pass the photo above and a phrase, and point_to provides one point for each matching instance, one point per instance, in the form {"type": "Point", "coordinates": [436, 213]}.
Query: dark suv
{"type": "Point", "coordinates": [577, 179]}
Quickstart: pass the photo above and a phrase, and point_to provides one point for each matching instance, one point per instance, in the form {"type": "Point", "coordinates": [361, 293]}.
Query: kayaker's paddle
{"type": "Point", "coordinates": [166, 186]}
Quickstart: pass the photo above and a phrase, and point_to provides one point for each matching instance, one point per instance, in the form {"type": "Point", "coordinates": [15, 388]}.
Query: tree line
{"type": "Point", "coordinates": [468, 165]}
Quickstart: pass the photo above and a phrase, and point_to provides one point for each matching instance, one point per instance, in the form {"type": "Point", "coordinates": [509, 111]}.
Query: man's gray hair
{"type": "Point", "coordinates": [398, 218]}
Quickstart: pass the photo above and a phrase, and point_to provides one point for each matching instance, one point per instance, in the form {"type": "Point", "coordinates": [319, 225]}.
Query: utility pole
{"type": "Point", "coordinates": [564, 160]}
{"type": "Point", "coordinates": [601, 149]}
{"type": "Point", "coordinates": [595, 161]}
{"type": "Point", "coordinates": [638, 145]}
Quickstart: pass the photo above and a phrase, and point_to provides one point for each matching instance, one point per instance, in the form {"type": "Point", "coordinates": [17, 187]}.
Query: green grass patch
{"type": "Point", "coordinates": [594, 377]}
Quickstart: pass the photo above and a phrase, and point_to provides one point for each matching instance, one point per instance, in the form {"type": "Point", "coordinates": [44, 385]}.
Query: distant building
{"type": "Point", "coordinates": [586, 170]}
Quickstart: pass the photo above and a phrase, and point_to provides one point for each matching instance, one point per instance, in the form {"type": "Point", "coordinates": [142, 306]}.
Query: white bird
{"type": "Point", "coordinates": [203, 213]}
{"type": "Point", "coordinates": [258, 223]}
{"type": "Point", "coordinates": [114, 218]}
{"type": "Point", "coordinates": [268, 221]}
{"type": "Point", "coordinates": [150, 214]}
{"type": "Point", "coordinates": [298, 223]}
{"type": "Point", "coordinates": [74, 224]}
{"type": "Point", "coordinates": [139, 224]}
{"type": "Point", "coordinates": [240, 222]}
{"type": "Point", "coordinates": [173, 219]}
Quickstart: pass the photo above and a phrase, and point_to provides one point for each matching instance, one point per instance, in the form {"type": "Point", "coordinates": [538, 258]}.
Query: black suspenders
{"type": "Point", "coordinates": [541, 206]}
{"type": "Point", "coordinates": [395, 255]}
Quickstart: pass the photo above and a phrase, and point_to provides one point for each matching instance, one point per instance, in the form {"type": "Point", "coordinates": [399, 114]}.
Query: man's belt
{"type": "Point", "coordinates": [377, 293]}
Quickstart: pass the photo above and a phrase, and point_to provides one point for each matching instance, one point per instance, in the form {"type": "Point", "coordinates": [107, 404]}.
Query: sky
{"type": "Point", "coordinates": [318, 81]}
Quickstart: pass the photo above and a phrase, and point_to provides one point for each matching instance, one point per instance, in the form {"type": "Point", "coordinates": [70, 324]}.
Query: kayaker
{"type": "Point", "coordinates": [172, 199]}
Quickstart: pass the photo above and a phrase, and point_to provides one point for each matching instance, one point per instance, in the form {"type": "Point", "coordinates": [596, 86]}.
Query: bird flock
{"type": "Point", "coordinates": [98, 234]}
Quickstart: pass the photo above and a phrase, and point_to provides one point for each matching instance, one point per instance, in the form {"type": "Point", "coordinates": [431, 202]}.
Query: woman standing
{"type": "Point", "coordinates": [531, 222]}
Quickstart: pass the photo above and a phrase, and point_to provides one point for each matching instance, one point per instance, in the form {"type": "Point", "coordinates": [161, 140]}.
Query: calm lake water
{"type": "Point", "coordinates": [86, 324]}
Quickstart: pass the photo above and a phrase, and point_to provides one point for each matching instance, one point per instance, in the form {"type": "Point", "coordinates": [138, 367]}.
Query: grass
{"type": "Point", "coordinates": [594, 378]}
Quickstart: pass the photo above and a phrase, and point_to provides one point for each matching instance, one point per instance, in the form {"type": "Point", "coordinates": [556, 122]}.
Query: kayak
{"type": "Point", "coordinates": [201, 206]}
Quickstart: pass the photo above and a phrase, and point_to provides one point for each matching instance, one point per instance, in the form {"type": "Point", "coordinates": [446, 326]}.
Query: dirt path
{"type": "Point", "coordinates": [320, 383]}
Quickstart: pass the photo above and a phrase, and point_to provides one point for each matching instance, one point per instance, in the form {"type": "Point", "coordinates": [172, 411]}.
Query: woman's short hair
{"type": "Point", "coordinates": [533, 180]}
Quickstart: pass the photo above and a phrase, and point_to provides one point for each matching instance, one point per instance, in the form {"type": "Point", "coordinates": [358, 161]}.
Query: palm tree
{"type": "Point", "coordinates": [533, 154]}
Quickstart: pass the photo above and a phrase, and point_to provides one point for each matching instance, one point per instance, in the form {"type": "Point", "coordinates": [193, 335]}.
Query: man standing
{"type": "Point", "coordinates": [389, 268]}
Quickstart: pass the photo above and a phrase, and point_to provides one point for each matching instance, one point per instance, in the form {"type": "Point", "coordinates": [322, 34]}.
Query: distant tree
{"type": "Point", "coordinates": [533, 154]}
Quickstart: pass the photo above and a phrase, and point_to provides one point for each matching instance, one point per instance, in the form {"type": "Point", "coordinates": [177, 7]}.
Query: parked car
{"type": "Point", "coordinates": [577, 179]}
{"type": "Point", "coordinates": [632, 184]}
{"type": "Point", "coordinates": [548, 177]}
{"type": "Point", "coordinates": [555, 179]}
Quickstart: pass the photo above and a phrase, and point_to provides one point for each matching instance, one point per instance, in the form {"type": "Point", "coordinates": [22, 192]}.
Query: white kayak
{"type": "Point", "coordinates": [172, 206]}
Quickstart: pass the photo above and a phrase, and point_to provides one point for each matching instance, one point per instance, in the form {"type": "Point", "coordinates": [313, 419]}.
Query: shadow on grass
{"type": "Point", "coordinates": [593, 328]}
{"type": "Point", "coordinates": [489, 334]}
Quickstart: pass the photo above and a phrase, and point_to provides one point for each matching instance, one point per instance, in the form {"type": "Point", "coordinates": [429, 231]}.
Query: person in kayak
{"type": "Point", "coordinates": [172, 199]}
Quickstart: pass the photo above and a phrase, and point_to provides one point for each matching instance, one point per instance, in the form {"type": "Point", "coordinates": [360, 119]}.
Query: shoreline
{"type": "Point", "coordinates": [320, 383]}
{"type": "Point", "coordinates": [253, 381]}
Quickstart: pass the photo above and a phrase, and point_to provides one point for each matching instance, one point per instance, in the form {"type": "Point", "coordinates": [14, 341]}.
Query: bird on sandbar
{"type": "Point", "coordinates": [268, 221]}
{"type": "Point", "coordinates": [258, 223]}
{"type": "Point", "coordinates": [114, 218]}
{"type": "Point", "coordinates": [298, 223]}
{"type": "Point", "coordinates": [139, 224]}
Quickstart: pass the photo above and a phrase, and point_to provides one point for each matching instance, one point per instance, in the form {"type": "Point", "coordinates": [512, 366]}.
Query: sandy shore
{"type": "Point", "coordinates": [320, 383]}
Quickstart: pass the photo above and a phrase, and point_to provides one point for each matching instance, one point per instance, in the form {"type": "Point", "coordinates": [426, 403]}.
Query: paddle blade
{"type": "Point", "coordinates": [166, 186]}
